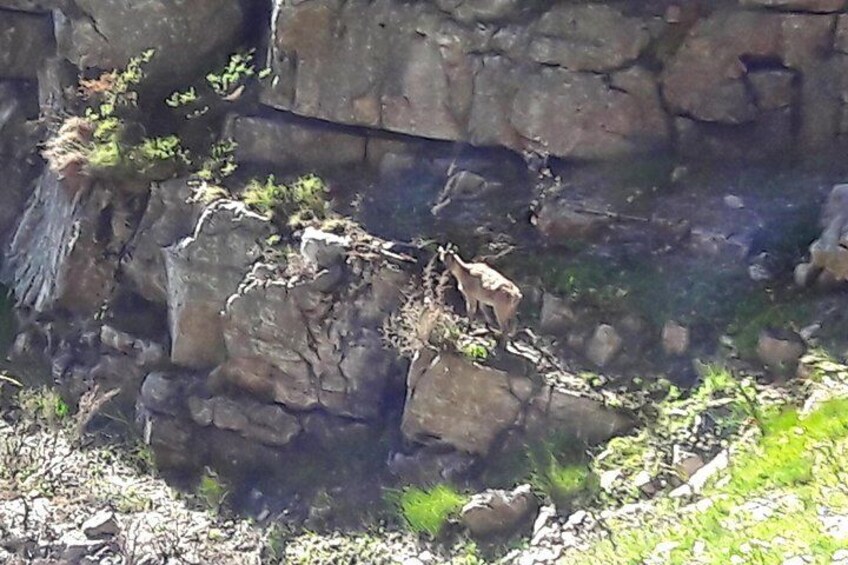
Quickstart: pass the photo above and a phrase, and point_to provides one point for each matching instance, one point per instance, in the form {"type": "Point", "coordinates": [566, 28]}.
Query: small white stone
{"type": "Point", "coordinates": [734, 202]}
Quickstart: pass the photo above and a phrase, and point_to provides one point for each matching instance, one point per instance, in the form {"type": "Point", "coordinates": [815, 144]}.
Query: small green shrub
{"type": "Point", "coordinates": [303, 198]}
{"type": "Point", "coordinates": [182, 98]}
{"type": "Point", "coordinates": [106, 142]}
{"type": "Point", "coordinates": [45, 404]}
{"type": "Point", "coordinates": [220, 163]}
{"type": "Point", "coordinates": [212, 490]}
{"type": "Point", "coordinates": [476, 349]}
{"type": "Point", "coordinates": [428, 510]}
{"type": "Point", "coordinates": [238, 69]}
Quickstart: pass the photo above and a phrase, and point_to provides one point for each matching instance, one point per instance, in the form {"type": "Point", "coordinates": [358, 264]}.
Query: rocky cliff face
{"type": "Point", "coordinates": [468, 120]}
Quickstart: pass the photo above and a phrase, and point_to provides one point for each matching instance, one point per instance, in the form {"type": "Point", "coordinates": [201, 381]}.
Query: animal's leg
{"type": "Point", "coordinates": [487, 312]}
{"type": "Point", "coordinates": [470, 307]}
{"type": "Point", "coordinates": [506, 317]}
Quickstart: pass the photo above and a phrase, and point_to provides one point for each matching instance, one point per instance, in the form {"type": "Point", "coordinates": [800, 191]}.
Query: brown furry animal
{"type": "Point", "coordinates": [481, 284]}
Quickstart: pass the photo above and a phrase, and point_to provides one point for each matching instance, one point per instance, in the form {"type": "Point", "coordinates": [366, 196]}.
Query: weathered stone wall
{"type": "Point", "coordinates": [575, 80]}
{"type": "Point", "coordinates": [753, 79]}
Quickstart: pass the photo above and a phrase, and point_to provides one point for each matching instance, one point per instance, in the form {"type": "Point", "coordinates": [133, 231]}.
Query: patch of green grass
{"type": "Point", "coordinates": [212, 490]}
{"type": "Point", "coordinates": [798, 466]}
{"type": "Point", "coordinates": [428, 510]}
{"type": "Point", "coordinates": [475, 349]}
{"type": "Point", "coordinates": [564, 484]}
{"type": "Point", "coordinates": [291, 203]}
{"type": "Point", "coordinates": [761, 312]}
{"type": "Point", "coordinates": [553, 466]}
{"type": "Point", "coordinates": [722, 396]}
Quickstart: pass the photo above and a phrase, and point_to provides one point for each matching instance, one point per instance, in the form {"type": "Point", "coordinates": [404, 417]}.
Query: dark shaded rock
{"type": "Point", "coordinates": [557, 317]}
{"type": "Point", "coordinates": [323, 250]}
{"type": "Point", "coordinates": [18, 165]}
{"type": "Point", "coordinates": [483, 10]}
{"type": "Point", "coordinates": [169, 217]}
{"type": "Point", "coordinates": [773, 89]}
{"type": "Point", "coordinates": [587, 420]}
{"type": "Point", "coordinates": [60, 256]}
{"type": "Point", "coordinates": [162, 393]}
{"type": "Point", "coordinates": [57, 86]}
{"type": "Point", "coordinates": [101, 525]}
{"type": "Point", "coordinates": [31, 5]}
{"type": "Point", "coordinates": [431, 465]}
{"type": "Point", "coordinates": [171, 439]}
{"type": "Point", "coordinates": [769, 137]}
{"type": "Point", "coordinates": [497, 512]}
{"type": "Point", "coordinates": [290, 142]}
{"type": "Point", "coordinates": [265, 423]}
{"type": "Point", "coordinates": [332, 432]}
{"type": "Point", "coordinates": [202, 272]}
{"type": "Point", "coordinates": [187, 36]}
{"type": "Point", "coordinates": [25, 41]}
{"type": "Point", "coordinates": [780, 350]}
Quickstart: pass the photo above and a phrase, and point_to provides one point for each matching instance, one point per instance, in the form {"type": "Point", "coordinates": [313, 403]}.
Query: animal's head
{"type": "Point", "coordinates": [447, 255]}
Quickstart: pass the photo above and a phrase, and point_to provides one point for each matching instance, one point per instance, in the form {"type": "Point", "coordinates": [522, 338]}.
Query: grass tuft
{"type": "Point", "coordinates": [427, 511]}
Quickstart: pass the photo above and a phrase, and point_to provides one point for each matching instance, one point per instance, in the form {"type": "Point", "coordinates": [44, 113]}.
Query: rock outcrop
{"type": "Point", "coordinates": [828, 254]}
{"type": "Point", "coordinates": [188, 37]}
{"type": "Point", "coordinates": [64, 252]}
{"type": "Point", "coordinates": [313, 341]}
{"type": "Point", "coordinates": [496, 512]}
{"type": "Point", "coordinates": [454, 401]}
{"type": "Point", "coordinates": [203, 270]}
{"type": "Point", "coordinates": [169, 217]}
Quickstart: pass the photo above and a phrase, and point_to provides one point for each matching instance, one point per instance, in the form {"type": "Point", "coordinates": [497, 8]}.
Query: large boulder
{"type": "Point", "coordinates": [203, 270]}
{"type": "Point", "coordinates": [308, 342]}
{"type": "Point", "coordinates": [265, 423]}
{"type": "Point", "coordinates": [817, 6]}
{"type": "Point", "coordinates": [498, 512]}
{"type": "Point", "coordinates": [483, 10]}
{"type": "Point", "coordinates": [31, 5]}
{"type": "Point", "coordinates": [828, 253]}
{"type": "Point", "coordinates": [455, 402]}
{"type": "Point", "coordinates": [170, 216]}
{"type": "Point", "coordinates": [468, 406]}
{"type": "Point", "coordinates": [25, 40]}
{"type": "Point", "coordinates": [187, 36]}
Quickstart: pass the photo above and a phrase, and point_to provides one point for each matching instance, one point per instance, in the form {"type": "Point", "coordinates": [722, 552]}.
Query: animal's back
{"type": "Point", "coordinates": [492, 280]}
